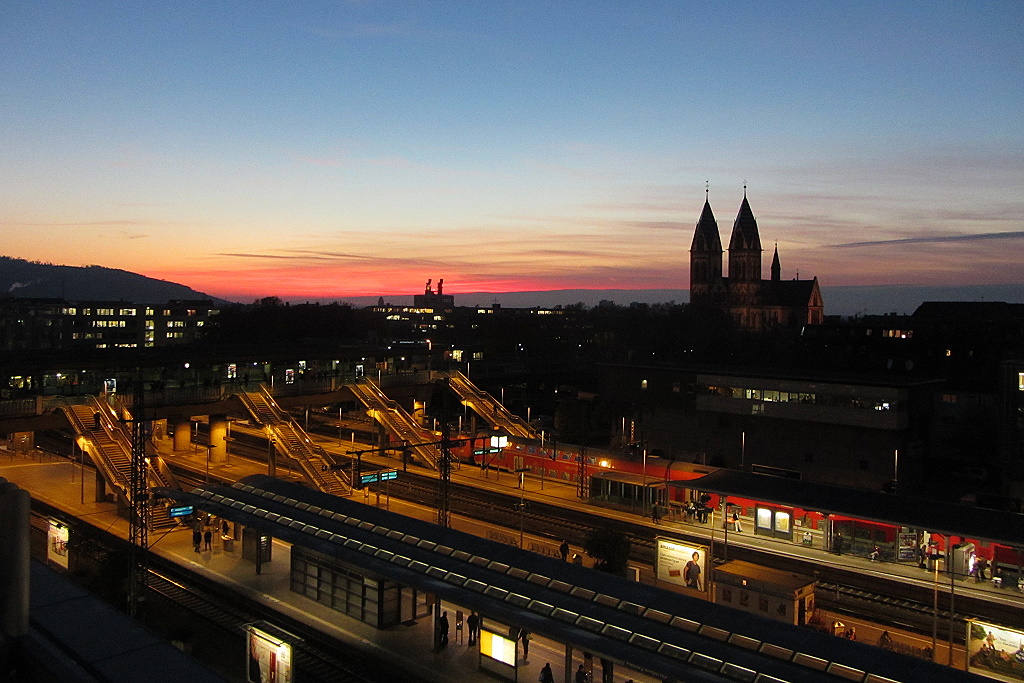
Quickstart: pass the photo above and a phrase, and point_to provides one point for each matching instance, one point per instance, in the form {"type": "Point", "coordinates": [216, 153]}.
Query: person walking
{"type": "Point", "coordinates": [563, 550]}
{"type": "Point", "coordinates": [524, 636]}
{"type": "Point", "coordinates": [546, 675]}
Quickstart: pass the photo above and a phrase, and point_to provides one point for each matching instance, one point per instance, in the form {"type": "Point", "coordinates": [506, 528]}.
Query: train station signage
{"type": "Point", "coordinates": [376, 477]}
{"type": "Point", "coordinates": [180, 510]}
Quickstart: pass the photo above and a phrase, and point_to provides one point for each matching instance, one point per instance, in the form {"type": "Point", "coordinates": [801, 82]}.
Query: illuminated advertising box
{"type": "Point", "coordinates": [57, 543]}
{"type": "Point", "coordinates": [995, 651]}
{"type": "Point", "coordinates": [270, 658]}
{"type": "Point", "coordinates": [497, 647]}
{"type": "Point", "coordinates": [681, 564]}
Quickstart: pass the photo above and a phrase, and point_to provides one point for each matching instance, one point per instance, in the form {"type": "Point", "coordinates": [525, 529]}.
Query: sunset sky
{"type": "Point", "coordinates": [315, 149]}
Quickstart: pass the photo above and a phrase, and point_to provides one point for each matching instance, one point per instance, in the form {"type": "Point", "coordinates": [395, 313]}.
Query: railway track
{"type": "Point", "coordinates": [317, 657]}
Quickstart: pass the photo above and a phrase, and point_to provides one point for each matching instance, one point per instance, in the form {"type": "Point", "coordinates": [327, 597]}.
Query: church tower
{"type": "Point", "coordinates": [705, 257]}
{"type": "Point", "coordinates": [745, 256]}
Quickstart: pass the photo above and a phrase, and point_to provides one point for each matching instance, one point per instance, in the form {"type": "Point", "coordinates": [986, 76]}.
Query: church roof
{"type": "Point", "coordinates": [705, 237]}
{"type": "Point", "coordinates": [744, 229]}
{"type": "Point", "coordinates": [789, 292]}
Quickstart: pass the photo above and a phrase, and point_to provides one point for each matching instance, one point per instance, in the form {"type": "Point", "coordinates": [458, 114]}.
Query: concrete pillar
{"type": "Point", "coordinates": [101, 487]}
{"type": "Point", "coordinates": [569, 672]}
{"type": "Point", "coordinates": [219, 438]}
{"type": "Point", "coordinates": [182, 426]}
{"type": "Point", "coordinates": [14, 567]}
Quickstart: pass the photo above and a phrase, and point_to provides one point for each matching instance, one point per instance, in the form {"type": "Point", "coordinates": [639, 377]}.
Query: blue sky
{"type": "Point", "coordinates": [332, 149]}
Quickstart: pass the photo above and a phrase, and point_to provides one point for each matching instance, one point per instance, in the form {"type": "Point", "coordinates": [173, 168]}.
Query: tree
{"type": "Point", "coordinates": [610, 548]}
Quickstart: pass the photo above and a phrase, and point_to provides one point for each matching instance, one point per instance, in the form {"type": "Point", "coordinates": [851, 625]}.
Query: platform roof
{"type": "Point", "coordinates": [662, 632]}
{"type": "Point", "coordinates": [944, 518]}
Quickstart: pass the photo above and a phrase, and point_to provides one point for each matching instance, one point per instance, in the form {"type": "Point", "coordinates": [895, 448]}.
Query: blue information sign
{"type": "Point", "coordinates": [180, 511]}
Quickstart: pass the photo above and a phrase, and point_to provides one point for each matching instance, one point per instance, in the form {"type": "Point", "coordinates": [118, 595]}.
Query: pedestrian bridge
{"type": "Point", "coordinates": [666, 634]}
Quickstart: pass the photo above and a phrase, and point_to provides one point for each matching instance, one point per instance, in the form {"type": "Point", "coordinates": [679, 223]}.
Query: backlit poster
{"type": "Point", "coordinates": [498, 647]}
{"type": "Point", "coordinates": [57, 543]}
{"type": "Point", "coordinates": [995, 651]}
{"type": "Point", "coordinates": [681, 564]}
{"type": "Point", "coordinates": [269, 659]}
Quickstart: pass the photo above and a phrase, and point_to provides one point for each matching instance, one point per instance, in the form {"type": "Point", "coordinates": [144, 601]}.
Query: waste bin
{"type": "Point", "coordinates": [229, 543]}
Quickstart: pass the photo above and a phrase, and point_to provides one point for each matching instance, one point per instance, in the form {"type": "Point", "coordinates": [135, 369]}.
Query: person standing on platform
{"type": "Point", "coordinates": [197, 538]}
{"type": "Point", "coordinates": [563, 550]}
{"type": "Point", "coordinates": [656, 514]}
{"type": "Point", "coordinates": [473, 622]}
{"type": "Point", "coordinates": [837, 544]}
{"type": "Point", "coordinates": [581, 675]}
{"type": "Point", "coordinates": [546, 676]}
{"type": "Point", "coordinates": [208, 540]}
{"type": "Point", "coordinates": [979, 570]}
{"type": "Point", "coordinates": [442, 628]}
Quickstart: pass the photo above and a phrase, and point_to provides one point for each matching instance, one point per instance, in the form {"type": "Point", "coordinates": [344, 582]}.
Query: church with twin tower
{"type": "Point", "coordinates": [754, 304]}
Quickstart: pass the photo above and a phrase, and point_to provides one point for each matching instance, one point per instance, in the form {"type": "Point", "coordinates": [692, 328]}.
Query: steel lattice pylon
{"type": "Point", "coordinates": [138, 520]}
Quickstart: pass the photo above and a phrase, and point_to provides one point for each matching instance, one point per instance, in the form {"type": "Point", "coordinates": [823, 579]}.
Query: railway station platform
{"type": "Point", "coordinates": [59, 483]}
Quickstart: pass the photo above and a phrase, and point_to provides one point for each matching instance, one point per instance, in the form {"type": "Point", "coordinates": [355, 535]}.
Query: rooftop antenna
{"type": "Point", "coordinates": [707, 189]}
{"type": "Point", "coordinates": [744, 189]}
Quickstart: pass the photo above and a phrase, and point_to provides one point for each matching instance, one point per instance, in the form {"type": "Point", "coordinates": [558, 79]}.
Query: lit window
{"type": "Point", "coordinates": [127, 311]}
{"type": "Point", "coordinates": [643, 384]}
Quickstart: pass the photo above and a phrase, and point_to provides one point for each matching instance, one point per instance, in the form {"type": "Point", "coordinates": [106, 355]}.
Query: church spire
{"type": "Point", "coordinates": [776, 267]}
{"type": "Point", "coordinates": [705, 255]}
